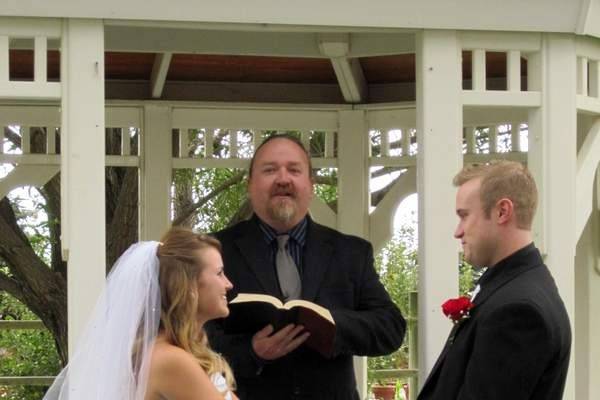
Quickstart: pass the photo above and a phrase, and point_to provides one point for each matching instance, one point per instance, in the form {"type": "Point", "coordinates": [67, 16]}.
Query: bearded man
{"type": "Point", "coordinates": [282, 252]}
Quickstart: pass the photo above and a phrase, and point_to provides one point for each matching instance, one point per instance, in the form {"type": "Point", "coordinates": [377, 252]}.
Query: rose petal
{"type": "Point", "coordinates": [457, 308]}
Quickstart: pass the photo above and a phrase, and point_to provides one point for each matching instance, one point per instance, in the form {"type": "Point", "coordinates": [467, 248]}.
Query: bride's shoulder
{"type": "Point", "coordinates": [175, 373]}
{"type": "Point", "coordinates": [167, 357]}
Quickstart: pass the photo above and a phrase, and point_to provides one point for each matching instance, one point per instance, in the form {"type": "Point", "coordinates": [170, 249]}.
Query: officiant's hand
{"type": "Point", "coordinates": [281, 343]}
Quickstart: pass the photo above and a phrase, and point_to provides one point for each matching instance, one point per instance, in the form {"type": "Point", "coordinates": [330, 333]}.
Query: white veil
{"type": "Point", "coordinates": [112, 357]}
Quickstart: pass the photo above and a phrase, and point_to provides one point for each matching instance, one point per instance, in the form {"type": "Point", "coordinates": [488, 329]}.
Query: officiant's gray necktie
{"type": "Point", "coordinates": [287, 272]}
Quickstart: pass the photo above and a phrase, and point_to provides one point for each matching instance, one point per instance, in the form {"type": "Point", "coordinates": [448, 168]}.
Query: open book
{"type": "Point", "coordinates": [250, 312]}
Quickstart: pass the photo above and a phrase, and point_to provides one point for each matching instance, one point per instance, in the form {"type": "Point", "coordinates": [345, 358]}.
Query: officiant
{"type": "Point", "coordinates": [282, 252]}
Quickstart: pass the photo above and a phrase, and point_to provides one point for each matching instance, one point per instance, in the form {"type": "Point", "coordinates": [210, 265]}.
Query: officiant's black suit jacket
{"type": "Point", "coordinates": [337, 273]}
{"type": "Point", "coordinates": [516, 343]}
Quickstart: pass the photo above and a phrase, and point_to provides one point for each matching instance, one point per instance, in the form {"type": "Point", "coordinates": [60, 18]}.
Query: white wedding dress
{"type": "Point", "coordinates": [221, 384]}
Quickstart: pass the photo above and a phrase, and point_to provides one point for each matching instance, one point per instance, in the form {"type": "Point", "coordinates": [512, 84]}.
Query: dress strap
{"type": "Point", "coordinates": [221, 385]}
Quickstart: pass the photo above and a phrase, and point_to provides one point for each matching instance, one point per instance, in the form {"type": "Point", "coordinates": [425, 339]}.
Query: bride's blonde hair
{"type": "Point", "coordinates": [180, 257]}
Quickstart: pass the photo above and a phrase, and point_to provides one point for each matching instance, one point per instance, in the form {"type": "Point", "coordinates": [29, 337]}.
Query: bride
{"type": "Point", "coordinates": [145, 339]}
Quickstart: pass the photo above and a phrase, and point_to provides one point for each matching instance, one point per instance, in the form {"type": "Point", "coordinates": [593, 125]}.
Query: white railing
{"type": "Point", "coordinates": [410, 375]}
{"type": "Point", "coordinates": [240, 131]}
{"type": "Point", "coordinates": [22, 34]}
{"type": "Point", "coordinates": [481, 143]}
{"type": "Point", "coordinates": [588, 76]}
{"type": "Point", "coordinates": [45, 120]}
{"type": "Point", "coordinates": [393, 147]}
{"type": "Point", "coordinates": [507, 141]}
{"type": "Point", "coordinates": [24, 380]}
{"type": "Point", "coordinates": [128, 156]}
{"type": "Point", "coordinates": [516, 47]}
{"type": "Point", "coordinates": [196, 147]}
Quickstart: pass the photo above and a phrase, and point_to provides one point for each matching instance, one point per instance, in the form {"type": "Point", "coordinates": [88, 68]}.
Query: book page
{"type": "Point", "coordinates": [249, 297]}
{"type": "Point", "coordinates": [322, 311]}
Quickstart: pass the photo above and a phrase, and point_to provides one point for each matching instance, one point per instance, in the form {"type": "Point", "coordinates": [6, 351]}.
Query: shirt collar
{"type": "Point", "coordinates": [517, 258]}
{"type": "Point", "coordinates": [297, 233]}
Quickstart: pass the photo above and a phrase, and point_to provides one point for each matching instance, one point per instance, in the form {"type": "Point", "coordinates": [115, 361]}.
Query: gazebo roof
{"type": "Point", "coordinates": [134, 70]}
{"type": "Point", "coordinates": [573, 16]}
{"type": "Point", "coordinates": [273, 52]}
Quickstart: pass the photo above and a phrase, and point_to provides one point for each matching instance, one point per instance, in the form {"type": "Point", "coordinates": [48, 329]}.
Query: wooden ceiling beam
{"type": "Point", "coordinates": [274, 44]}
{"type": "Point", "coordinates": [348, 71]}
{"type": "Point", "coordinates": [159, 73]}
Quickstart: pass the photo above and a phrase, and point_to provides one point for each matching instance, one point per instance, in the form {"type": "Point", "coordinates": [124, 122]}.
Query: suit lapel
{"type": "Point", "coordinates": [255, 252]}
{"type": "Point", "coordinates": [317, 259]}
{"type": "Point", "coordinates": [507, 274]}
{"type": "Point", "coordinates": [499, 278]}
{"type": "Point", "coordinates": [486, 291]}
{"type": "Point", "coordinates": [506, 270]}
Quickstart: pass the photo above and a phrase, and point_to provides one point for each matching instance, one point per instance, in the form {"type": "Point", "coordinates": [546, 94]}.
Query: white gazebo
{"type": "Point", "coordinates": [433, 70]}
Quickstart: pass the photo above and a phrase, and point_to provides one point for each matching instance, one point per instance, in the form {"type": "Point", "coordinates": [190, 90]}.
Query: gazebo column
{"type": "Point", "coordinates": [439, 135]}
{"type": "Point", "coordinates": [353, 195]}
{"type": "Point", "coordinates": [553, 160]}
{"type": "Point", "coordinates": [587, 347]}
{"type": "Point", "coordinates": [155, 172]}
{"type": "Point", "coordinates": [594, 300]}
{"type": "Point", "coordinates": [587, 268]}
{"type": "Point", "coordinates": [82, 168]}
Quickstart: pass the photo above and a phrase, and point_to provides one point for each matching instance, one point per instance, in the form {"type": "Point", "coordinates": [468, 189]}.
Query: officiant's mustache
{"type": "Point", "coordinates": [283, 190]}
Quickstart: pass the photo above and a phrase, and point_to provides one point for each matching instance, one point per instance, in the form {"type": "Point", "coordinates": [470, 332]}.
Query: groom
{"type": "Point", "coordinates": [516, 341]}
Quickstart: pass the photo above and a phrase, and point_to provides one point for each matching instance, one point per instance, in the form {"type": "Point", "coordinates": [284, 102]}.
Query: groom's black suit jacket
{"type": "Point", "coordinates": [516, 343]}
{"type": "Point", "coordinates": [338, 273]}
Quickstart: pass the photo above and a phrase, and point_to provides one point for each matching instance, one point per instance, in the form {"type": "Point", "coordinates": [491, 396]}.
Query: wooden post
{"type": "Point", "coordinates": [353, 201]}
{"type": "Point", "coordinates": [439, 134]}
{"type": "Point", "coordinates": [155, 171]}
{"type": "Point", "coordinates": [82, 168]}
{"type": "Point", "coordinates": [552, 159]}
{"type": "Point", "coordinates": [478, 70]}
{"type": "Point", "coordinates": [413, 343]}
{"type": "Point", "coordinates": [513, 68]}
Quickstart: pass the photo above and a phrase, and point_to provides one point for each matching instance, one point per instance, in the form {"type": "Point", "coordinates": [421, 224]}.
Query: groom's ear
{"type": "Point", "coordinates": [504, 211]}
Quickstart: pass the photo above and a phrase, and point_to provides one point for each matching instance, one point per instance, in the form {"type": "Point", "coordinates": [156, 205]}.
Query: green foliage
{"type": "Point", "coordinates": [27, 352]}
{"type": "Point", "coordinates": [30, 209]}
{"type": "Point", "coordinates": [467, 277]}
{"type": "Point", "coordinates": [24, 352]}
{"type": "Point", "coordinates": [218, 211]}
{"type": "Point", "coordinates": [327, 190]}
{"type": "Point", "coordinates": [396, 264]}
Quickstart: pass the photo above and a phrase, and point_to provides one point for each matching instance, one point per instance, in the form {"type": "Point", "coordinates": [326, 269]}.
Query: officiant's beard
{"type": "Point", "coordinates": [283, 211]}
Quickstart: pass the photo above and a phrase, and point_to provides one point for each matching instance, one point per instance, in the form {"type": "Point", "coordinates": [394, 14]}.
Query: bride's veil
{"type": "Point", "coordinates": [111, 359]}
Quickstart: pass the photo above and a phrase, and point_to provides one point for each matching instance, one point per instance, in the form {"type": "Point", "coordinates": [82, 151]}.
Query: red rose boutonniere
{"type": "Point", "coordinates": [457, 309]}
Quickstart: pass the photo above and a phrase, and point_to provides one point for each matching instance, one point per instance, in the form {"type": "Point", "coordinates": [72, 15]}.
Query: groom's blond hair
{"type": "Point", "coordinates": [504, 179]}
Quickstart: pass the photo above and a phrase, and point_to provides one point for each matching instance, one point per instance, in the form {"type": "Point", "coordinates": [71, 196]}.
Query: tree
{"type": "Point", "coordinates": [24, 352]}
{"type": "Point", "coordinates": [397, 266]}
{"type": "Point", "coordinates": [34, 272]}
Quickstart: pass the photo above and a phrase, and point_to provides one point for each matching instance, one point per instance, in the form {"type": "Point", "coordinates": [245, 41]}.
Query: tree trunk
{"type": "Point", "coordinates": [43, 287]}
{"type": "Point", "coordinates": [31, 281]}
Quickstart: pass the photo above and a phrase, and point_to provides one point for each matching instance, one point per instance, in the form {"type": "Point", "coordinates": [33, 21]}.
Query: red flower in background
{"type": "Point", "coordinates": [457, 309]}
